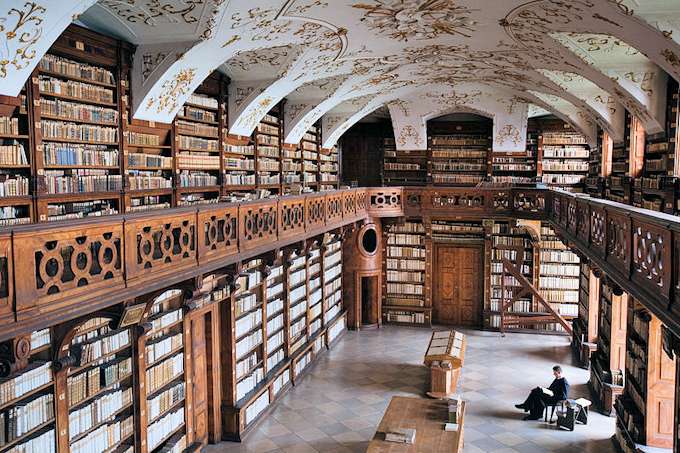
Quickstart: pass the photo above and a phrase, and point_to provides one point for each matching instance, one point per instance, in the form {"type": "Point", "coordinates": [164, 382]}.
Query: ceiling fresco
{"type": "Point", "coordinates": [336, 61]}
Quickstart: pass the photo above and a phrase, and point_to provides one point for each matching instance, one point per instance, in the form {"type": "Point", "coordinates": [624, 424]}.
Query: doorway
{"type": "Point", "coordinates": [369, 301]}
{"type": "Point", "coordinates": [458, 285]}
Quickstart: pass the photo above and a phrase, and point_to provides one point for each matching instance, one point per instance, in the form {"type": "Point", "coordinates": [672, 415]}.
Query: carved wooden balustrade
{"type": "Point", "coordinates": [49, 272]}
{"type": "Point", "coordinates": [637, 248]}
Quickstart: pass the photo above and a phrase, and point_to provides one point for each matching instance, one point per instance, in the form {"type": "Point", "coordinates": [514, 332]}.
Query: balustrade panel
{"type": "Point", "coordinates": [598, 229]}
{"type": "Point", "coordinates": [217, 232]}
{"type": "Point", "coordinates": [257, 224]}
{"type": "Point", "coordinates": [315, 212]}
{"type": "Point", "coordinates": [333, 208]}
{"type": "Point", "coordinates": [651, 261]}
{"type": "Point", "coordinates": [65, 264]}
{"type": "Point", "coordinates": [385, 202]}
{"type": "Point", "coordinates": [618, 242]}
{"type": "Point", "coordinates": [291, 217]}
{"type": "Point", "coordinates": [156, 246]}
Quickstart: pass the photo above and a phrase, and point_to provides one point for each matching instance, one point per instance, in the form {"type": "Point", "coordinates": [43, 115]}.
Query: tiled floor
{"type": "Point", "coordinates": [338, 405]}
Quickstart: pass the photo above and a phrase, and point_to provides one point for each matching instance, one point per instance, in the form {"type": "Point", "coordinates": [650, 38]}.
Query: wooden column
{"type": "Point", "coordinates": [593, 307]}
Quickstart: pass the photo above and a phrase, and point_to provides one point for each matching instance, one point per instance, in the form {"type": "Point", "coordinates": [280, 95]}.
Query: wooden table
{"type": "Point", "coordinates": [428, 418]}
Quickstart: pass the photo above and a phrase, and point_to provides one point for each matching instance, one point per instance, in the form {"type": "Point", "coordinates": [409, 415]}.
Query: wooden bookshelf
{"type": "Point", "coordinates": [404, 299]}
{"type": "Point", "coordinates": [608, 362]}
{"type": "Point", "coordinates": [310, 147]}
{"type": "Point", "coordinates": [403, 167]}
{"type": "Point", "coordinates": [657, 185]}
{"type": "Point", "coordinates": [594, 184]}
{"type": "Point", "coordinates": [564, 157]}
{"type": "Point", "coordinates": [198, 145]}
{"type": "Point", "coordinates": [513, 243]}
{"type": "Point", "coordinates": [16, 181]}
{"type": "Point", "coordinates": [162, 367]}
{"type": "Point", "coordinates": [558, 277]}
{"type": "Point", "coordinates": [100, 398]}
{"type": "Point", "coordinates": [78, 143]}
{"type": "Point", "coordinates": [27, 397]}
{"type": "Point", "coordinates": [619, 182]}
{"type": "Point", "coordinates": [458, 159]}
{"type": "Point", "coordinates": [268, 139]}
{"type": "Point", "coordinates": [584, 339]}
{"type": "Point", "coordinates": [645, 410]}
{"type": "Point", "coordinates": [329, 169]}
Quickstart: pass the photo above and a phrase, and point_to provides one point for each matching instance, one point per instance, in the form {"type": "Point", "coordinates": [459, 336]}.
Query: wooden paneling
{"type": "Point", "coordinates": [457, 285]}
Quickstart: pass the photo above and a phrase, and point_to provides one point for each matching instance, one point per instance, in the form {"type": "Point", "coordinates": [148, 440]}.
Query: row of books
{"type": "Point", "coordinates": [440, 178]}
{"type": "Point", "coordinates": [575, 165]}
{"type": "Point", "coordinates": [397, 166]}
{"type": "Point", "coordinates": [83, 132]}
{"type": "Point", "coordinates": [563, 138]}
{"type": "Point", "coordinates": [23, 418]}
{"type": "Point", "coordinates": [103, 408]}
{"type": "Point", "coordinates": [90, 382]}
{"type": "Point", "coordinates": [158, 431]}
{"type": "Point", "coordinates": [459, 154]}
{"type": "Point", "coordinates": [164, 372]}
{"type": "Point", "coordinates": [458, 166]}
{"type": "Point", "coordinates": [13, 154]}
{"type": "Point", "coordinates": [57, 181]}
{"type": "Point", "coordinates": [198, 161]}
{"type": "Point", "coordinates": [105, 437]}
{"type": "Point", "coordinates": [67, 154]}
{"type": "Point", "coordinates": [198, 114]}
{"type": "Point", "coordinates": [72, 89]}
{"type": "Point", "coordinates": [148, 182]}
{"type": "Point", "coordinates": [9, 125]}
{"type": "Point", "coordinates": [458, 140]}
{"type": "Point", "coordinates": [189, 128]}
{"type": "Point", "coordinates": [139, 138]}
{"type": "Point", "coordinates": [78, 112]}
{"type": "Point", "coordinates": [71, 68]}
{"type": "Point", "coordinates": [246, 150]}
{"type": "Point", "coordinates": [566, 151]}
{"type": "Point", "coordinates": [163, 347]}
{"type": "Point", "coordinates": [165, 400]}
{"type": "Point", "coordinates": [96, 349]}
{"type": "Point", "coordinates": [196, 143]}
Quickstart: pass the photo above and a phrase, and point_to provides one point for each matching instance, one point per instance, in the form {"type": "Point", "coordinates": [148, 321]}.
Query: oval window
{"type": "Point", "coordinates": [369, 240]}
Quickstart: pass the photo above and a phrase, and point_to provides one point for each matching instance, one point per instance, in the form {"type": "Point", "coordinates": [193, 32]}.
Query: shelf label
{"type": "Point", "coordinates": [80, 45]}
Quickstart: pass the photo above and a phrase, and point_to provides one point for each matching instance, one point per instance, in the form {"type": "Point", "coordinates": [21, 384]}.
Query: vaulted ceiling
{"type": "Point", "coordinates": [337, 61]}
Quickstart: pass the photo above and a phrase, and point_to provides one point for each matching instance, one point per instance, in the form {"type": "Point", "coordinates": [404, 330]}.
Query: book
{"type": "Point", "coordinates": [401, 435]}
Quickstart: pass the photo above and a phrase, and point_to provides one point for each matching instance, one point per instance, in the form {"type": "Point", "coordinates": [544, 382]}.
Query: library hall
{"type": "Point", "coordinates": [339, 226]}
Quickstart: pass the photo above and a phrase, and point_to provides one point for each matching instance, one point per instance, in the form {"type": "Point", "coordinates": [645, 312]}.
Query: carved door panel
{"type": "Point", "coordinates": [457, 289]}
{"type": "Point", "coordinates": [199, 380]}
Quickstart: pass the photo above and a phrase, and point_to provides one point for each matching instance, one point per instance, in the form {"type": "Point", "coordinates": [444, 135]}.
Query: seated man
{"type": "Point", "coordinates": [540, 397]}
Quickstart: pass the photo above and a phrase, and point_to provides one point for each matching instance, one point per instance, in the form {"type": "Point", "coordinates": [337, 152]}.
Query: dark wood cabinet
{"type": "Point", "coordinates": [458, 285]}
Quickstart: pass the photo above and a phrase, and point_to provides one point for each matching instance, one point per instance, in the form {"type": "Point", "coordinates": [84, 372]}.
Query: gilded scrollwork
{"type": "Point", "coordinates": [508, 132]}
{"type": "Point", "coordinates": [414, 19]}
{"type": "Point", "coordinates": [172, 90]}
{"type": "Point", "coordinates": [409, 134]}
{"type": "Point", "coordinates": [22, 29]}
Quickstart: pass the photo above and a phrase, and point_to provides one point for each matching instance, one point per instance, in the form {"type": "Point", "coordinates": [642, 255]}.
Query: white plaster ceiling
{"type": "Point", "coordinates": [339, 60]}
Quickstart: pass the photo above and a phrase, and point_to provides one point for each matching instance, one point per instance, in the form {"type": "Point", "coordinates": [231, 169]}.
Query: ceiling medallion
{"type": "Point", "coordinates": [417, 19]}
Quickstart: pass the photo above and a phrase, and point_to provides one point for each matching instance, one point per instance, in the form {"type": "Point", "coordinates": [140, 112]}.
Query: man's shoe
{"type": "Point", "coordinates": [531, 417]}
{"type": "Point", "coordinates": [520, 406]}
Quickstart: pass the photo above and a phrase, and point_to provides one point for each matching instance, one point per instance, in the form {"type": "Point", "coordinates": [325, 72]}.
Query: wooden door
{"type": "Point", "coordinates": [198, 387]}
{"type": "Point", "coordinates": [458, 282]}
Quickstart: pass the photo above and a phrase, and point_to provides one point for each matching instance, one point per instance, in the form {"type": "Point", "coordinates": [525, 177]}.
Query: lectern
{"type": "Point", "coordinates": [444, 357]}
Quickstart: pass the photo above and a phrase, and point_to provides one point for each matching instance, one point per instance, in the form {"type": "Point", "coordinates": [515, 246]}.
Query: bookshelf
{"type": "Point", "coordinates": [329, 169]}
{"type": "Point", "coordinates": [162, 370]}
{"type": "Point", "coordinates": [268, 152]}
{"type": "Point", "coordinates": [405, 300]}
{"type": "Point", "coordinates": [198, 158]}
{"type": "Point", "coordinates": [645, 409]}
{"type": "Point", "coordinates": [460, 159]}
{"type": "Point", "coordinates": [656, 186]}
{"type": "Point", "coordinates": [78, 141]}
{"type": "Point", "coordinates": [310, 146]}
{"type": "Point", "coordinates": [594, 181]}
{"type": "Point", "coordinates": [514, 168]}
{"type": "Point", "coordinates": [27, 403]}
{"type": "Point", "coordinates": [608, 362]}
{"type": "Point", "coordinates": [333, 311]}
{"type": "Point", "coordinates": [584, 340]}
{"type": "Point", "coordinates": [558, 277]}
{"type": "Point", "coordinates": [296, 277]}
{"type": "Point", "coordinates": [16, 182]}
{"type": "Point", "coordinates": [564, 159]}
{"type": "Point", "coordinates": [403, 167]}
{"type": "Point", "coordinates": [291, 168]}
{"type": "Point", "coordinates": [100, 389]}
{"type": "Point", "coordinates": [509, 242]}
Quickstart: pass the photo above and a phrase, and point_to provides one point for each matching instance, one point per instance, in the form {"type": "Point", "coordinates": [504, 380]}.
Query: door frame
{"type": "Point", "coordinates": [435, 280]}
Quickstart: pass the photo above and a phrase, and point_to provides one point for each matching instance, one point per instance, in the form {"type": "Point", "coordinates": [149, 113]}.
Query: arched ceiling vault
{"type": "Point", "coordinates": [584, 60]}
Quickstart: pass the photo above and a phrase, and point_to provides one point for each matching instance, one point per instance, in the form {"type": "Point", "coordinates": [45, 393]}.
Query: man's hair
{"type": "Point", "coordinates": [557, 368]}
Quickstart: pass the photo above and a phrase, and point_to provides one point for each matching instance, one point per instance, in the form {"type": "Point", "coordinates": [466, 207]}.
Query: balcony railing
{"type": "Point", "coordinates": [49, 272]}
